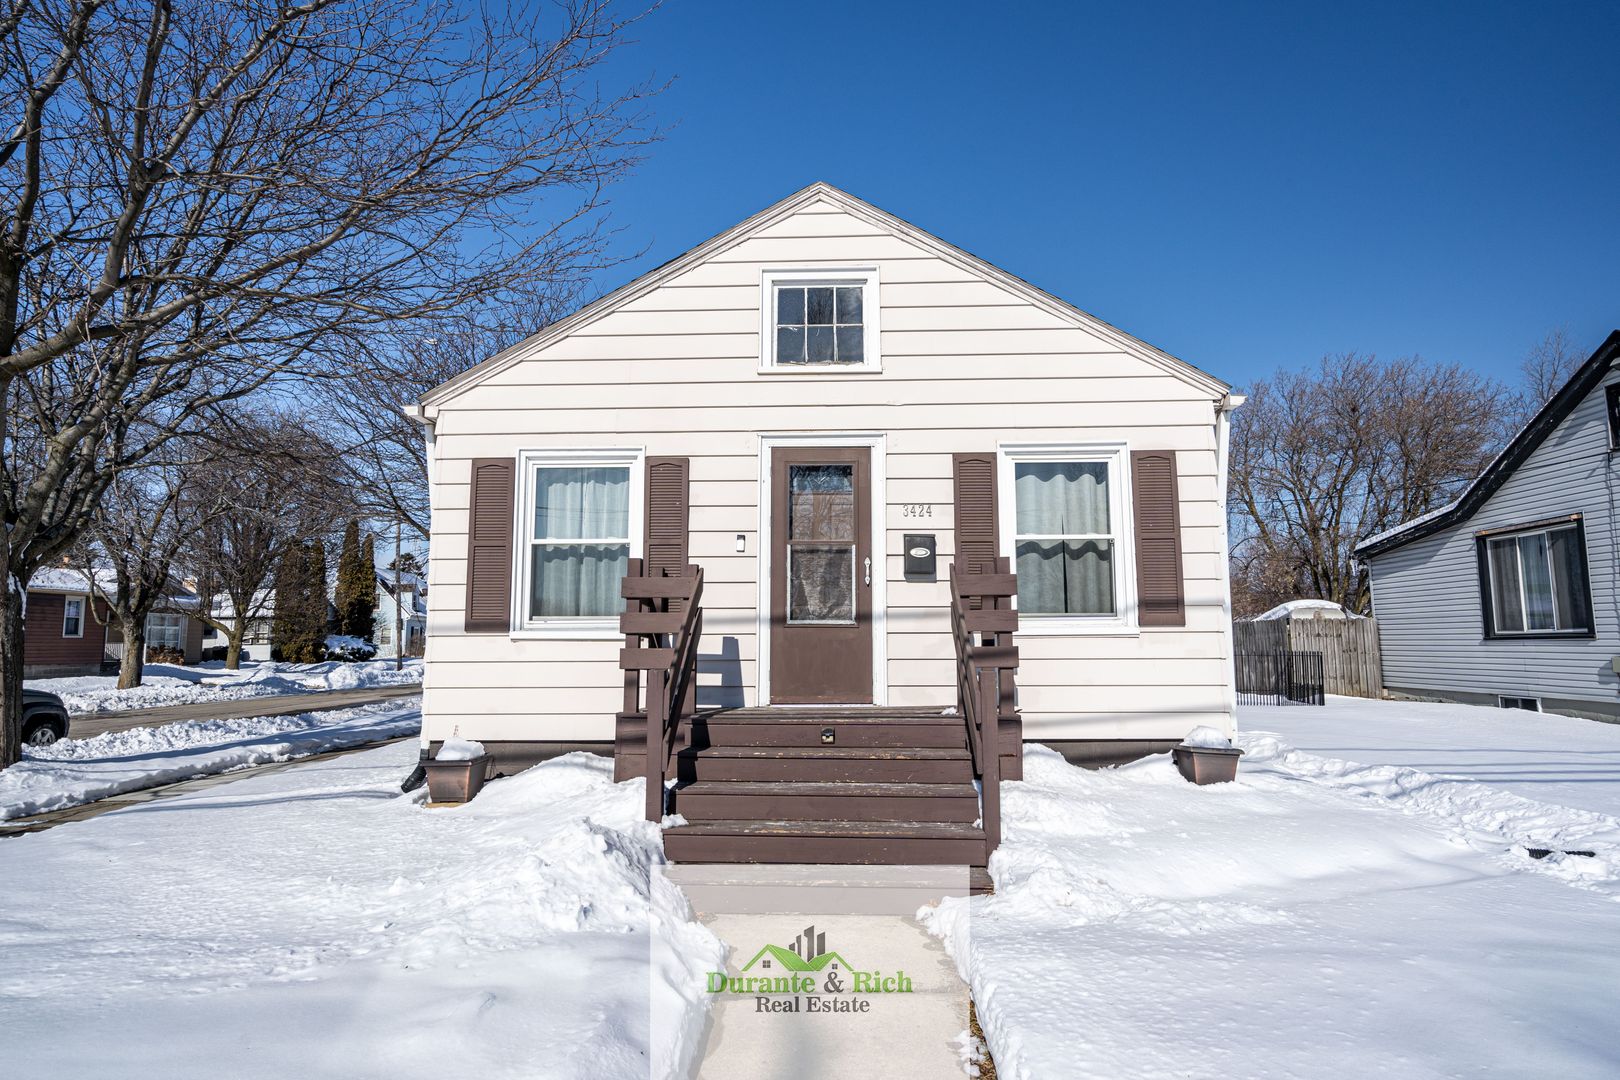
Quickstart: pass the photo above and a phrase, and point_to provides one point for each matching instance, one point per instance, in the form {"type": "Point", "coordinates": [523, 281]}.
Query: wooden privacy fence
{"type": "Point", "coordinates": [1351, 661]}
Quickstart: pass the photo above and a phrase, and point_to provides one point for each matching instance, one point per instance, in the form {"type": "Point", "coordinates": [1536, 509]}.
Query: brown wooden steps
{"type": "Point", "coordinates": [874, 764]}
{"type": "Point", "coordinates": [742, 728]}
{"type": "Point", "coordinates": [721, 800]}
{"type": "Point", "coordinates": [844, 842]}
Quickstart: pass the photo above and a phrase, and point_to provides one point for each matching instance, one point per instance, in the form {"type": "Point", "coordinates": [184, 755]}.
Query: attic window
{"type": "Point", "coordinates": [1612, 395]}
{"type": "Point", "coordinates": [819, 324]}
{"type": "Point", "coordinates": [819, 319]}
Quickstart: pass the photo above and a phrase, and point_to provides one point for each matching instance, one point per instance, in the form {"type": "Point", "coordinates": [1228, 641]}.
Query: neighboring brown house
{"type": "Point", "coordinates": [69, 631]}
{"type": "Point", "coordinates": [63, 634]}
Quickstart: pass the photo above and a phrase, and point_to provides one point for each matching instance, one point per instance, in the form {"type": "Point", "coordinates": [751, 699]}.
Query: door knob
{"type": "Point", "coordinates": [869, 569]}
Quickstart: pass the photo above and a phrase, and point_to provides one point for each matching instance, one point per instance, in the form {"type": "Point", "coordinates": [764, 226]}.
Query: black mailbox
{"type": "Point", "coordinates": [920, 555]}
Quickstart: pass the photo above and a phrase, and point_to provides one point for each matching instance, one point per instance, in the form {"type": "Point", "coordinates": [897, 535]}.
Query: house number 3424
{"type": "Point", "coordinates": [916, 510]}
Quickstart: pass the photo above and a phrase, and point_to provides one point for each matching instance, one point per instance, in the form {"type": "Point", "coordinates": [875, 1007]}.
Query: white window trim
{"type": "Point", "coordinates": [1503, 699]}
{"type": "Point", "coordinates": [576, 628]}
{"type": "Point", "coordinates": [84, 608]}
{"type": "Point", "coordinates": [1123, 623]}
{"type": "Point", "coordinates": [865, 276]}
{"type": "Point", "coordinates": [1524, 600]}
{"type": "Point", "coordinates": [880, 586]}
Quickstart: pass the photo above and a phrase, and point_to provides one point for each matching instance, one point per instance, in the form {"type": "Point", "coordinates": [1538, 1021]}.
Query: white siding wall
{"type": "Point", "coordinates": [1426, 594]}
{"type": "Point", "coordinates": [966, 363]}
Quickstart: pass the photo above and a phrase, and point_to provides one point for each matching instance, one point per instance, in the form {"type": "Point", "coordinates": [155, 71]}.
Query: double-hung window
{"type": "Point", "coordinates": [1536, 581]}
{"type": "Point", "coordinates": [580, 514]}
{"type": "Point", "coordinates": [73, 616]}
{"type": "Point", "coordinates": [1063, 517]}
{"type": "Point", "coordinates": [819, 319]}
{"type": "Point", "coordinates": [164, 631]}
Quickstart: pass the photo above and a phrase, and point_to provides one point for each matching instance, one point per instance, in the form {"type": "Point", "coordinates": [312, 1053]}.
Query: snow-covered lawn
{"type": "Point", "coordinates": [1322, 917]}
{"type": "Point", "coordinates": [1561, 759]}
{"type": "Point", "coordinates": [316, 923]}
{"type": "Point", "coordinates": [74, 771]}
{"type": "Point", "coordinates": [1318, 918]}
{"type": "Point", "coordinates": [173, 684]}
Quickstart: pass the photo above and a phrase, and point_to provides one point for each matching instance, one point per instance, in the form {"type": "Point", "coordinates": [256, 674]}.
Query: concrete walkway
{"type": "Point", "coordinates": [885, 999]}
{"type": "Point", "coordinates": [83, 727]}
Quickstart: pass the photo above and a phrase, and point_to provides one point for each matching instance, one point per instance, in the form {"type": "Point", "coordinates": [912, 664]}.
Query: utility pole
{"type": "Point", "coordinates": [399, 611]}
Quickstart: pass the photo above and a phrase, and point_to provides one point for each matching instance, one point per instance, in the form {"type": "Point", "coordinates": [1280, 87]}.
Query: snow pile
{"type": "Point", "coordinates": [969, 1052]}
{"type": "Point", "coordinates": [349, 648]}
{"type": "Point", "coordinates": [73, 771]}
{"type": "Point", "coordinates": [1303, 921]}
{"type": "Point", "coordinates": [1308, 609]}
{"type": "Point", "coordinates": [1204, 737]}
{"type": "Point", "coordinates": [459, 750]}
{"type": "Point", "coordinates": [174, 684]}
{"type": "Point", "coordinates": [317, 923]}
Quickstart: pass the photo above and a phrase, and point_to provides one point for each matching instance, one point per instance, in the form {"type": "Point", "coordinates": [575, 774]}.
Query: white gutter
{"type": "Point", "coordinates": [419, 414]}
{"type": "Point", "coordinates": [1223, 444]}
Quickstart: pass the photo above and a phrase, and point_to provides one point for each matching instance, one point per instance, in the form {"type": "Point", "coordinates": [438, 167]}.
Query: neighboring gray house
{"type": "Point", "coordinates": [1507, 596]}
{"type": "Point", "coordinates": [411, 616]}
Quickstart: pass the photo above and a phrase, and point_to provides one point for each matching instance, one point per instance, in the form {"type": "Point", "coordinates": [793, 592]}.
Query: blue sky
{"type": "Point", "coordinates": [1245, 185]}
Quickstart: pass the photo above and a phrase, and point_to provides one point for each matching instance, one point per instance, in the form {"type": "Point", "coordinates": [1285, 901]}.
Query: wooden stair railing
{"type": "Point", "coordinates": [982, 624]}
{"type": "Point", "coordinates": [662, 624]}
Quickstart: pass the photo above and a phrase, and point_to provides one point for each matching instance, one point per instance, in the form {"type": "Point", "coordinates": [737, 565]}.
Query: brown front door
{"type": "Point", "coordinates": [821, 575]}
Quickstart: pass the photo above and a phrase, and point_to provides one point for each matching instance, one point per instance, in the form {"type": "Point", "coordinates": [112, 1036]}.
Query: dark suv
{"type": "Point", "coordinates": [45, 718]}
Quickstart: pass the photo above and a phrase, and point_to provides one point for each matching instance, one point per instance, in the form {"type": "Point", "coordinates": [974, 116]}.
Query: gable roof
{"type": "Point", "coordinates": [821, 192]}
{"type": "Point", "coordinates": [1547, 418]}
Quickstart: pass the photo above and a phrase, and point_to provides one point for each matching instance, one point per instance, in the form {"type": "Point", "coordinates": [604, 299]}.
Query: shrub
{"type": "Point", "coordinates": [163, 654]}
{"type": "Point", "coordinates": [348, 649]}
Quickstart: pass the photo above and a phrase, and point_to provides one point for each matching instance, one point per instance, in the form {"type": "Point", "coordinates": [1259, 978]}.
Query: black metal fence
{"type": "Point", "coordinates": [1280, 677]}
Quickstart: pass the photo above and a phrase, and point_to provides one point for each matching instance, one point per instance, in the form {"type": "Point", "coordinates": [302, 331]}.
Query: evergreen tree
{"type": "Point", "coordinates": [315, 624]}
{"type": "Point", "coordinates": [355, 601]}
{"type": "Point", "coordinates": [408, 563]}
{"type": "Point", "coordinates": [289, 586]}
{"type": "Point", "coordinates": [298, 629]}
{"type": "Point", "coordinates": [367, 623]}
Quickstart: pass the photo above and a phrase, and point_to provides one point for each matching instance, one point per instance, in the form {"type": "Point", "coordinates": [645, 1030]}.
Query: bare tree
{"type": "Point", "coordinates": [1323, 458]}
{"type": "Point", "coordinates": [1543, 372]}
{"type": "Point", "coordinates": [273, 478]}
{"type": "Point", "coordinates": [141, 523]}
{"type": "Point", "coordinates": [383, 455]}
{"type": "Point", "coordinates": [199, 200]}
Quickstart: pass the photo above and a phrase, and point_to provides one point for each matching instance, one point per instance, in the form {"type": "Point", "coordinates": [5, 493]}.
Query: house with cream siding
{"type": "Point", "coordinates": [1507, 595]}
{"type": "Point", "coordinates": [719, 511]}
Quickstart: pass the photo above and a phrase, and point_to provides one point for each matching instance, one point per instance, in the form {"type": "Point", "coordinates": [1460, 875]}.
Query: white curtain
{"type": "Point", "coordinates": [589, 502]}
{"type": "Point", "coordinates": [576, 579]}
{"type": "Point", "coordinates": [573, 503]}
{"type": "Point", "coordinates": [1063, 577]}
{"type": "Point", "coordinates": [1061, 498]}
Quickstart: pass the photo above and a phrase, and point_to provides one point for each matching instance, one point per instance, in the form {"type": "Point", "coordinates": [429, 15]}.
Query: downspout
{"type": "Point", "coordinates": [420, 414]}
{"type": "Point", "coordinates": [1223, 442]}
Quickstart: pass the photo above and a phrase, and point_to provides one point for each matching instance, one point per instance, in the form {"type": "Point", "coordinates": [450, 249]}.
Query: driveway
{"type": "Point", "coordinates": [1539, 756]}
{"type": "Point", "coordinates": [83, 727]}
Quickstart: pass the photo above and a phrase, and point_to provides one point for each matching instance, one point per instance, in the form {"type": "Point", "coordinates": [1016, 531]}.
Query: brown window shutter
{"type": "Point", "coordinates": [668, 516]}
{"type": "Point", "coordinates": [975, 488]}
{"type": "Point", "coordinates": [1161, 598]}
{"type": "Point", "coordinates": [489, 546]}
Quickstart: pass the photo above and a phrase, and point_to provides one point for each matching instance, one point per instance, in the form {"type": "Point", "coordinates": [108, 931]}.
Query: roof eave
{"type": "Point", "coordinates": [1556, 409]}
